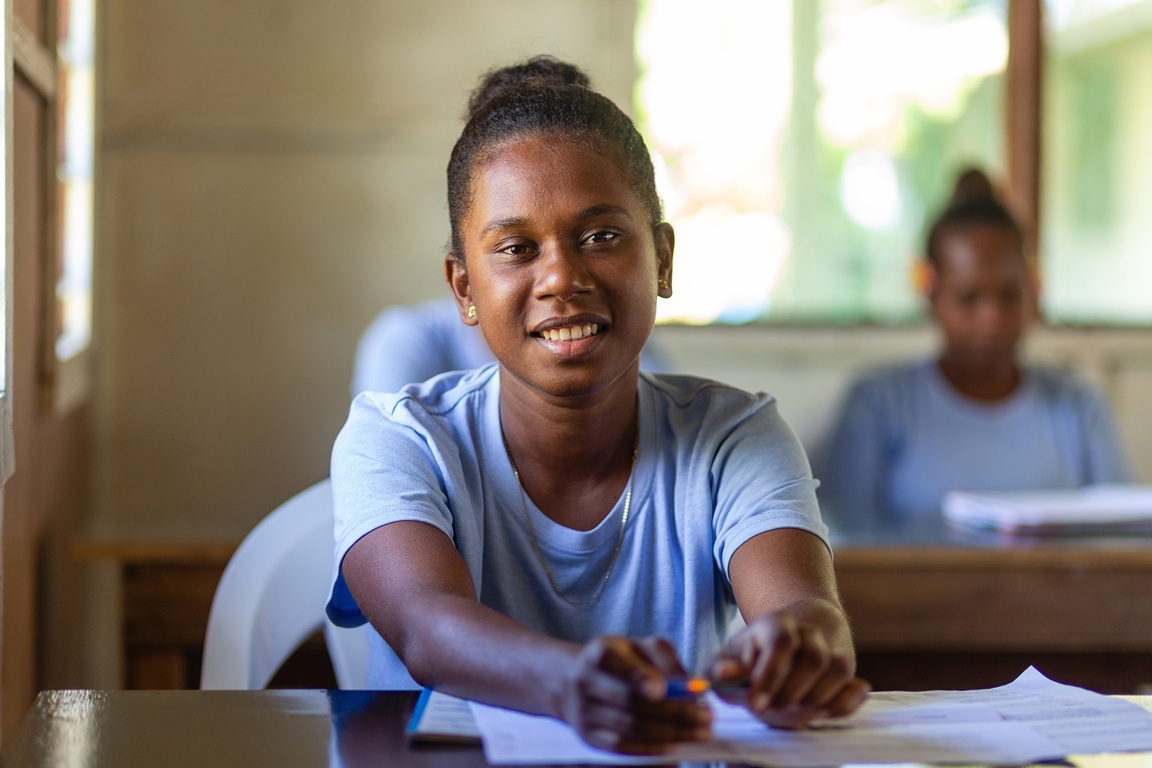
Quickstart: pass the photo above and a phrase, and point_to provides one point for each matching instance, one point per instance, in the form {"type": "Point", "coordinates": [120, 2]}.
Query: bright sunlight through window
{"type": "Point", "coordinates": [75, 56]}
{"type": "Point", "coordinates": [800, 145]}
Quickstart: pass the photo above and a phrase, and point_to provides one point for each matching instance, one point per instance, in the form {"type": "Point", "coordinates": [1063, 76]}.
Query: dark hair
{"type": "Point", "coordinates": [974, 203]}
{"type": "Point", "coordinates": [571, 111]}
{"type": "Point", "coordinates": [538, 70]}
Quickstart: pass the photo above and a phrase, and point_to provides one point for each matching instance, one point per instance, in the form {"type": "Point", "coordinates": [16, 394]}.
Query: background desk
{"type": "Point", "coordinates": [938, 610]}
{"type": "Point", "coordinates": [954, 610]}
{"type": "Point", "coordinates": [222, 729]}
{"type": "Point", "coordinates": [166, 591]}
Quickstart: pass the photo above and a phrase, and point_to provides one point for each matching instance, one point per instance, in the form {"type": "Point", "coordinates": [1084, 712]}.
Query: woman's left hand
{"type": "Point", "coordinates": [787, 672]}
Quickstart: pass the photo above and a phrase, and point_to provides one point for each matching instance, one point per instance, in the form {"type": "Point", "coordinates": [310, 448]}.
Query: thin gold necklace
{"type": "Point", "coordinates": [536, 543]}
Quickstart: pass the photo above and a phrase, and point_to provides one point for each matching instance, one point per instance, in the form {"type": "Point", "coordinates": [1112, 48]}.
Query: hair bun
{"type": "Point", "coordinates": [972, 186]}
{"type": "Point", "coordinates": [538, 70]}
{"type": "Point", "coordinates": [974, 203]}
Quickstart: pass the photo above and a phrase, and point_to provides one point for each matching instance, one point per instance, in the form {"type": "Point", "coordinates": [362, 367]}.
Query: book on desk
{"type": "Point", "coordinates": [442, 719]}
{"type": "Point", "coordinates": [1103, 509]}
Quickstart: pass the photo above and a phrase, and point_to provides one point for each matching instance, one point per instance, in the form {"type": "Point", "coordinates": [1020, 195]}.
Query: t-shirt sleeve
{"type": "Point", "coordinates": [1104, 457]}
{"type": "Point", "coordinates": [383, 471]}
{"type": "Point", "coordinates": [762, 482]}
{"type": "Point", "coordinates": [854, 468]}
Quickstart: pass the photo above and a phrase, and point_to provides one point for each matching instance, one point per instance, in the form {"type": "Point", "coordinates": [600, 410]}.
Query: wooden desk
{"type": "Point", "coordinates": [950, 609]}
{"type": "Point", "coordinates": [222, 729]}
{"type": "Point", "coordinates": [166, 592]}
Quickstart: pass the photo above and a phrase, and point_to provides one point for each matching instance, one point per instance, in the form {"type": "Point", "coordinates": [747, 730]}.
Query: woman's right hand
{"type": "Point", "coordinates": [615, 697]}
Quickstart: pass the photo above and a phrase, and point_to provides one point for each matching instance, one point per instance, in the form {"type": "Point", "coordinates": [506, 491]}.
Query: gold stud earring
{"type": "Point", "coordinates": [472, 311]}
{"type": "Point", "coordinates": [662, 284]}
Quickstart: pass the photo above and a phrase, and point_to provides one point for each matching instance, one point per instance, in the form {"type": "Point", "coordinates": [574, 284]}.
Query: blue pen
{"type": "Point", "coordinates": [686, 688]}
{"type": "Point", "coordinates": [691, 688]}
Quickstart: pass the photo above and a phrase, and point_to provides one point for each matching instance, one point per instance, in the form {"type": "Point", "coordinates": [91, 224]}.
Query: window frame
{"type": "Point", "coordinates": [1023, 92]}
{"type": "Point", "coordinates": [7, 464]}
{"type": "Point", "coordinates": [62, 384]}
{"type": "Point", "coordinates": [1022, 117]}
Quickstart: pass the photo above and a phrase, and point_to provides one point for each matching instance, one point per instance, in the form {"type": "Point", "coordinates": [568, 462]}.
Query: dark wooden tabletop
{"type": "Point", "coordinates": [221, 729]}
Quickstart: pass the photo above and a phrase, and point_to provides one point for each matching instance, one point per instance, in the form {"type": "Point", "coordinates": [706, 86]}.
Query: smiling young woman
{"type": "Point", "coordinates": [559, 532]}
{"type": "Point", "coordinates": [544, 261]}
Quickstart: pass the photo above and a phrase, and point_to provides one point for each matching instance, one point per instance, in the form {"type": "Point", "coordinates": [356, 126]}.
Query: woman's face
{"type": "Point", "coordinates": [983, 296]}
{"type": "Point", "coordinates": [562, 265]}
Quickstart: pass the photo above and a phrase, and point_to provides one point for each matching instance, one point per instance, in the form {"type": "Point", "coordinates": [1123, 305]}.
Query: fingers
{"type": "Point", "coordinates": [662, 662]}
{"type": "Point", "coordinates": [629, 668]}
{"type": "Point", "coordinates": [810, 659]}
{"type": "Point", "coordinates": [643, 729]}
{"type": "Point", "coordinates": [660, 653]}
{"type": "Point", "coordinates": [617, 698]}
{"type": "Point", "coordinates": [760, 657]}
{"type": "Point", "coordinates": [792, 675]}
{"type": "Point", "coordinates": [849, 699]}
{"type": "Point", "coordinates": [825, 687]}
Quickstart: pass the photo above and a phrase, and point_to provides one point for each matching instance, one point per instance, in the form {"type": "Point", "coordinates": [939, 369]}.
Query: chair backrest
{"type": "Point", "coordinates": [272, 596]}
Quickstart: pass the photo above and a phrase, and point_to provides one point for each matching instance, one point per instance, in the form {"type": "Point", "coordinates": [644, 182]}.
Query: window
{"type": "Point", "coordinates": [802, 144]}
{"type": "Point", "coordinates": [75, 129]}
{"type": "Point", "coordinates": [61, 72]}
{"type": "Point", "coordinates": [1096, 232]}
{"type": "Point", "coordinates": [64, 358]}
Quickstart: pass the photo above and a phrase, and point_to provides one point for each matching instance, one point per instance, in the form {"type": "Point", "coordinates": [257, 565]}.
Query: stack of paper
{"type": "Point", "coordinates": [1097, 508]}
{"type": "Point", "coordinates": [1029, 720]}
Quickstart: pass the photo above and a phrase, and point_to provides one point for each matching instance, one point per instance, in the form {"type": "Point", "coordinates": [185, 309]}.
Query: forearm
{"type": "Point", "coordinates": [457, 645]}
{"type": "Point", "coordinates": [413, 586]}
{"type": "Point", "coordinates": [790, 571]}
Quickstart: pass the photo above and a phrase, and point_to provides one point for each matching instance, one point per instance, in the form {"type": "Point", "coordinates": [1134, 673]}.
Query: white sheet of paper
{"type": "Point", "coordinates": [1030, 719]}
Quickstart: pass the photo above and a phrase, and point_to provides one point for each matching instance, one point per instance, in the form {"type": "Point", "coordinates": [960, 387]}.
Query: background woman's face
{"type": "Point", "coordinates": [562, 264]}
{"type": "Point", "coordinates": [984, 297]}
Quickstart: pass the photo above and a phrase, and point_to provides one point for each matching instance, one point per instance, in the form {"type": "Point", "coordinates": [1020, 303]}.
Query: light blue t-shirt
{"type": "Point", "coordinates": [906, 437]}
{"type": "Point", "coordinates": [414, 342]}
{"type": "Point", "coordinates": [715, 466]}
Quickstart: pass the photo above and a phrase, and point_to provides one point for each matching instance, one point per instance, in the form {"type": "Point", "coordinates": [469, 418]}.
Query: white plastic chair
{"type": "Point", "coordinates": [271, 598]}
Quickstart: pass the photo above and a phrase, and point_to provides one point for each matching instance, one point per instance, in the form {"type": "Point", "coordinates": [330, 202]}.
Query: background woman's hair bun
{"type": "Point", "coordinates": [538, 70]}
{"type": "Point", "coordinates": [972, 186]}
{"type": "Point", "coordinates": [974, 203]}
